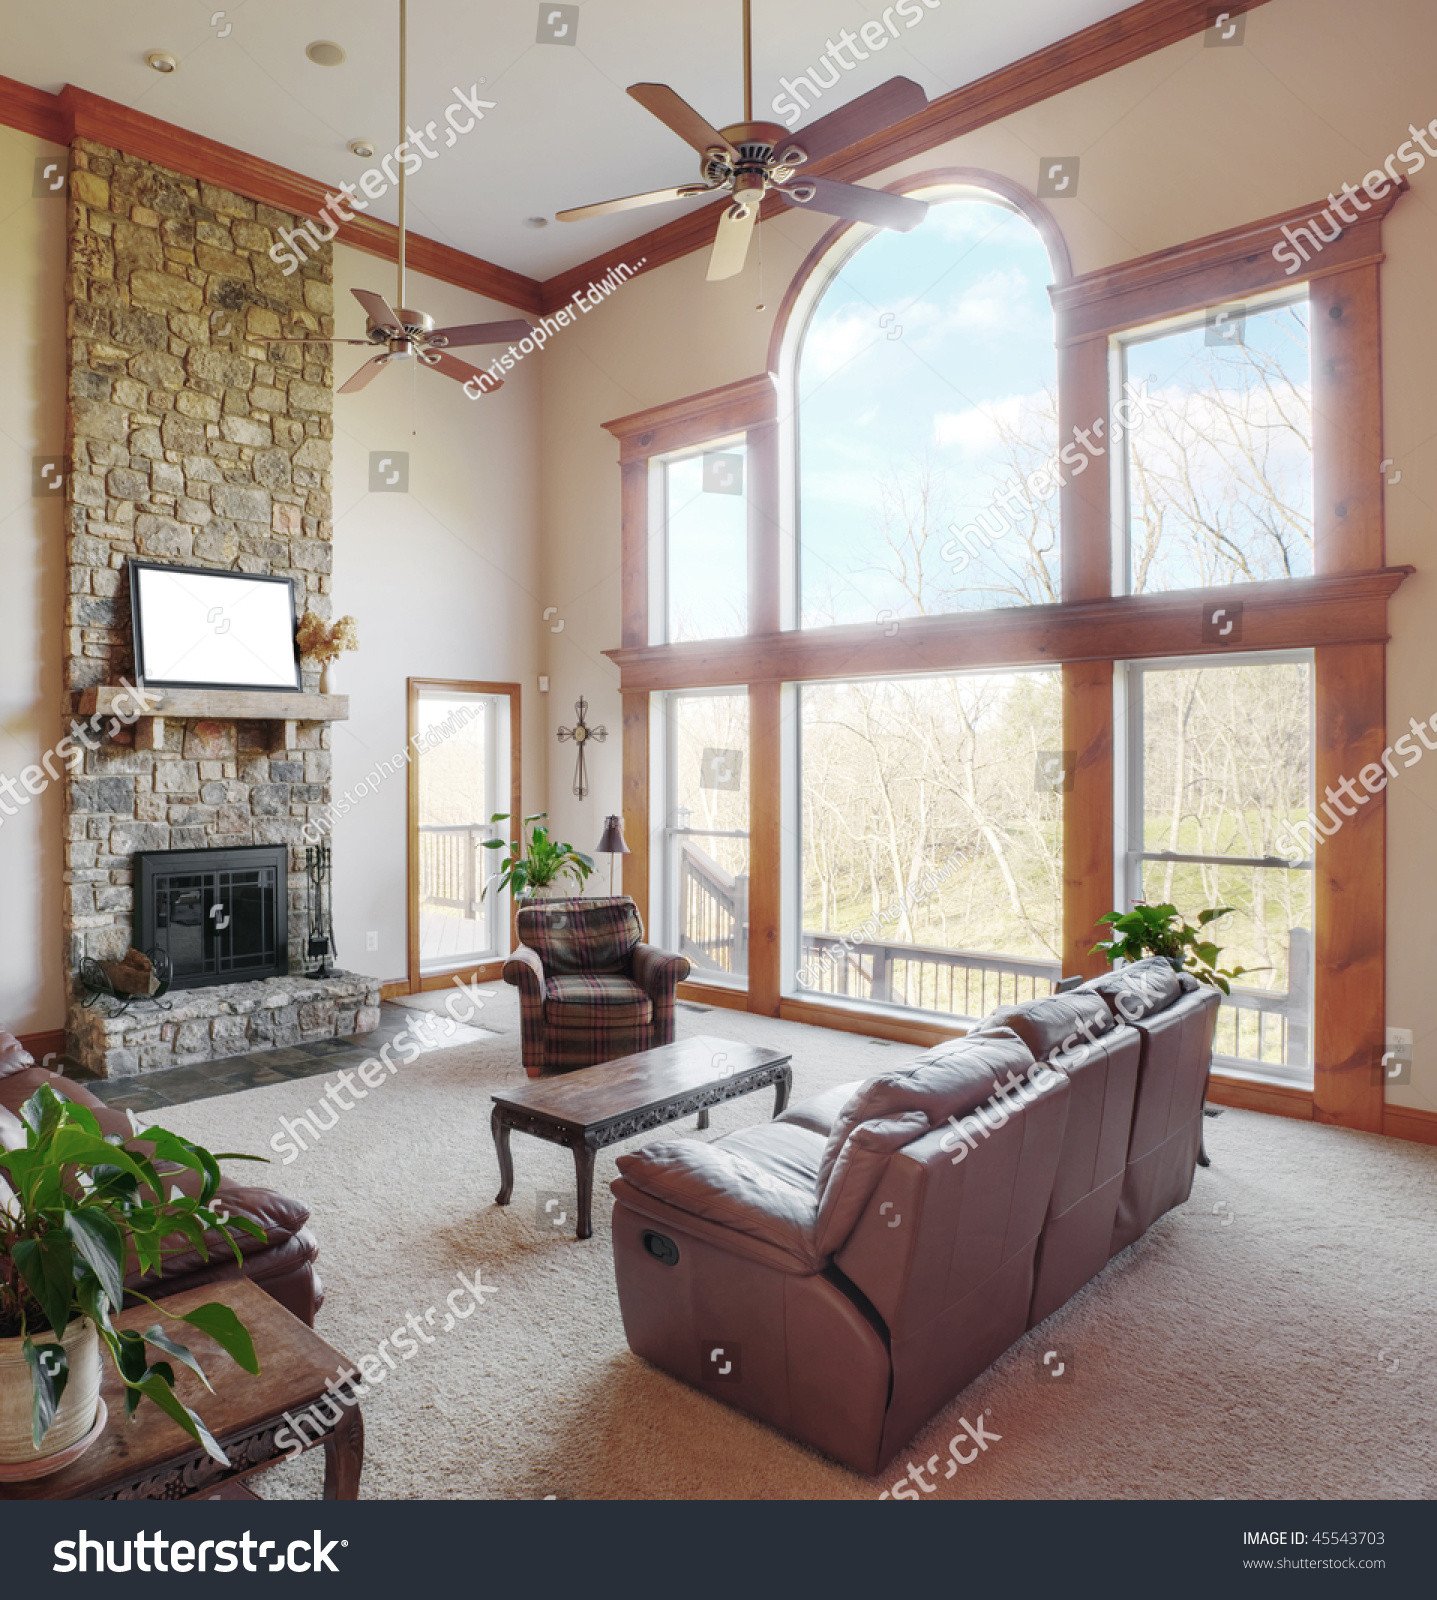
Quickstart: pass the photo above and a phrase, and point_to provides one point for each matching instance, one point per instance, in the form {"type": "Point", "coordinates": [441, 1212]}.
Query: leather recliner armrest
{"type": "Point", "coordinates": [729, 1191]}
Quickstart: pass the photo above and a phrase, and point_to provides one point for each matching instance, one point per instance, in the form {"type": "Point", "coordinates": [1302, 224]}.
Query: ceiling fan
{"type": "Point", "coordinates": [749, 159]}
{"type": "Point", "coordinates": [406, 334]}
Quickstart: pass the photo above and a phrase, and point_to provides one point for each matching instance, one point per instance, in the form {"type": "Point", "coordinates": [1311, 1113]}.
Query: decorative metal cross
{"type": "Point", "coordinates": [582, 734]}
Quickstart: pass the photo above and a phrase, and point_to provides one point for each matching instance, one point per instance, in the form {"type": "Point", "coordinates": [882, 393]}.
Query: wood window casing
{"type": "Point", "coordinates": [1340, 613]}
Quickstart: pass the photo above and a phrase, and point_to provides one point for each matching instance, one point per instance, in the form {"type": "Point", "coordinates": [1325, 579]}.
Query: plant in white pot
{"type": "Point", "coordinates": [535, 868]}
{"type": "Point", "coordinates": [77, 1206]}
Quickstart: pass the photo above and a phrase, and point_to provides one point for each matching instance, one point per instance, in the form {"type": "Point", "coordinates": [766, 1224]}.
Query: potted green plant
{"type": "Point", "coordinates": [1149, 930]}
{"type": "Point", "coordinates": [535, 867]}
{"type": "Point", "coordinates": [77, 1205]}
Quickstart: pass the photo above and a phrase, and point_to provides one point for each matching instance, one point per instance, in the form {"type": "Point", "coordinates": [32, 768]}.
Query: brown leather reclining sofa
{"type": "Point", "coordinates": [282, 1265]}
{"type": "Point", "coordinates": [843, 1271]}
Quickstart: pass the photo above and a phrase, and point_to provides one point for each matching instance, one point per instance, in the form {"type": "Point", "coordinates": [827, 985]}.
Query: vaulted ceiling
{"type": "Point", "coordinates": [562, 131]}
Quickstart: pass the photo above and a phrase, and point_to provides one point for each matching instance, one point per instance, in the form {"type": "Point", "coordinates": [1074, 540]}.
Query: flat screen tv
{"type": "Point", "coordinates": [196, 629]}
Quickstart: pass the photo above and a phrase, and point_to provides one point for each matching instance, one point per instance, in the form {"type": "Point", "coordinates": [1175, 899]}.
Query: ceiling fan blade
{"type": "Point", "coordinates": [633, 201]}
{"type": "Point", "coordinates": [877, 206]}
{"type": "Point", "coordinates": [735, 229]}
{"type": "Point", "coordinates": [480, 333]}
{"type": "Point", "coordinates": [366, 375]}
{"type": "Point", "coordinates": [870, 113]}
{"type": "Point", "coordinates": [377, 309]}
{"type": "Point", "coordinates": [461, 371]}
{"type": "Point", "coordinates": [677, 114]}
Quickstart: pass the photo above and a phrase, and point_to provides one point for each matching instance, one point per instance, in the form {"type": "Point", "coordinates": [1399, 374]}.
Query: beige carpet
{"type": "Point", "coordinates": [1275, 1337]}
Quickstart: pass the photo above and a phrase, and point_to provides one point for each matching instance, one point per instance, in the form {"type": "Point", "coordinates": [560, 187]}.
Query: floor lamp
{"type": "Point", "coordinates": [612, 844]}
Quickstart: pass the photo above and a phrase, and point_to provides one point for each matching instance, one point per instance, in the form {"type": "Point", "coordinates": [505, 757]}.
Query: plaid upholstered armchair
{"type": "Point", "coordinates": [589, 989]}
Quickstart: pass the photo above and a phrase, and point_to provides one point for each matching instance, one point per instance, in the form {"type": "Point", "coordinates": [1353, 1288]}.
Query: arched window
{"type": "Point", "coordinates": [926, 435]}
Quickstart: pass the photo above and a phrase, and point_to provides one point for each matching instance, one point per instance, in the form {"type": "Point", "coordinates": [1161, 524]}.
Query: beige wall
{"type": "Point", "coordinates": [1184, 143]}
{"type": "Point", "coordinates": [32, 581]}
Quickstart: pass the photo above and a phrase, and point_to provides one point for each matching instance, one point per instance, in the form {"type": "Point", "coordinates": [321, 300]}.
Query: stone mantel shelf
{"type": "Point", "coordinates": [277, 707]}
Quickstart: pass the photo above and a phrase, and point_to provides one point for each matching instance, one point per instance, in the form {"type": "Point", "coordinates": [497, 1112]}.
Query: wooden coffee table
{"type": "Point", "coordinates": [598, 1106]}
{"type": "Point", "coordinates": [252, 1417]}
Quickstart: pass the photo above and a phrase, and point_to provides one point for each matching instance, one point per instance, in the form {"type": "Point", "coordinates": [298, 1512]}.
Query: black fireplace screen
{"type": "Point", "coordinates": [222, 916]}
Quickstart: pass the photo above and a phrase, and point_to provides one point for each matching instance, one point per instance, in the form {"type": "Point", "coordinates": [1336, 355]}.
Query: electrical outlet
{"type": "Point", "coordinates": [371, 941]}
{"type": "Point", "coordinates": [1399, 1043]}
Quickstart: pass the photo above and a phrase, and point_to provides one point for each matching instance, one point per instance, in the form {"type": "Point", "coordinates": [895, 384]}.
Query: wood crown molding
{"type": "Point", "coordinates": [1116, 41]}
{"type": "Point", "coordinates": [1293, 613]}
{"type": "Point", "coordinates": [78, 114]}
{"type": "Point", "coordinates": [696, 418]}
{"type": "Point", "coordinates": [1219, 267]}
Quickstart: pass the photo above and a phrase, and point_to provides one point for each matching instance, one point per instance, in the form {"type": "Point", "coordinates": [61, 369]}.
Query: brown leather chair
{"type": "Point", "coordinates": [282, 1264]}
{"type": "Point", "coordinates": [590, 989]}
{"type": "Point", "coordinates": [844, 1271]}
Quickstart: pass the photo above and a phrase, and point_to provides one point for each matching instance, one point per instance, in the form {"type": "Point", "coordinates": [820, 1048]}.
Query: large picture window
{"type": "Point", "coordinates": [927, 400]}
{"type": "Point", "coordinates": [705, 843]}
{"type": "Point", "coordinates": [931, 840]}
{"type": "Point", "coordinates": [1220, 761]}
{"type": "Point", "coordinates": [1219, 473]}
{"type": "Point", "coordinates": [701, 502]}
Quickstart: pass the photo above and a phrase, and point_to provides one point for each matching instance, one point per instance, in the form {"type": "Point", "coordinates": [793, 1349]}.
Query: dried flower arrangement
{"type": "Point", "coordinates": [326, 641]}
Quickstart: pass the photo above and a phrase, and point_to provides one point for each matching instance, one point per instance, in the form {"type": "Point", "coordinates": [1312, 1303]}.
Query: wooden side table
{"type": "Point", "coordinates": [303, 1392]}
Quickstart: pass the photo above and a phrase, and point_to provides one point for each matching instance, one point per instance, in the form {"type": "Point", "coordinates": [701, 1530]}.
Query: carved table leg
{"type": "Point", "coordinates": [584, 1152]}
{"type": "Point", "coordinates": [703, 1121]}
{"type": "Point", "coordinates": [344, 1456]}
{"type": "Point", "coordinates": [781, 1090]}
{"type": "Point", "coordinates": [500, 1126]}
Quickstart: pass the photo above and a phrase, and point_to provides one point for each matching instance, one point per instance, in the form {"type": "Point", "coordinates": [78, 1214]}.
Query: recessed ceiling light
{"type": "Point", "coordinates": [325, 53]}
{"type": "Point", "coordinates": [363, 148]}
{"type": "Point", "coordinates": [161, 61]}
{"type": "Point", "coordinates": [536, 222]}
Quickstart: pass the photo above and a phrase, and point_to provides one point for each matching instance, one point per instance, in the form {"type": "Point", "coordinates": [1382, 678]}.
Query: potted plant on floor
{"type": "Point", "coordinates": [1160, 930]}
{"type": "Point", "coordinates": [535, 868]}
{"type": "Point", "coordinates": [76, 1206]}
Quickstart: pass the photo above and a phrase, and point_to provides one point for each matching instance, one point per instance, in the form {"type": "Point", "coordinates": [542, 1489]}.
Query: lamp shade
{"type": "Point", "coordinates": [613, 842]}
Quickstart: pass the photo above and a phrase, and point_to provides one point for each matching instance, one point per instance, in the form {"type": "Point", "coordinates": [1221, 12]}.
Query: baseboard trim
{"type": "Point", "coordinates": [875, 1024]}
{"type": "Point", "coordinates": [713, 994]}
{"type": "Point", "coordinates": [1274, 1098]}
{"type": "Point", "coordinates": [41, 1045]}
{"type": "Point", "coordinates": [1410, 1122]}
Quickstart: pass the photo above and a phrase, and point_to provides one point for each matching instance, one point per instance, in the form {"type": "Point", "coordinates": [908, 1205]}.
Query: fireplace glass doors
{"type": "Point", "coordinates": [222, 916]}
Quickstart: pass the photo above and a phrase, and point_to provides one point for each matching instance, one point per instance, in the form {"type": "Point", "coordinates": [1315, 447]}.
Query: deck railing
{"type": "Point", "coordinates": [451, 873]}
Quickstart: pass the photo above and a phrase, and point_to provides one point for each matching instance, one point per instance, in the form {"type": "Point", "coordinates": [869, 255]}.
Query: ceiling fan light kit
{"type": "Point", "coordinates": [750, 159]}
{"type": "Point", "coordinates": [403, 333]}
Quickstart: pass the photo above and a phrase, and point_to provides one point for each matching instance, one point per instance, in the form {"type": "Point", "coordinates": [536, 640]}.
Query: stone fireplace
{"type": "Point", "coordinates": [191, 439]}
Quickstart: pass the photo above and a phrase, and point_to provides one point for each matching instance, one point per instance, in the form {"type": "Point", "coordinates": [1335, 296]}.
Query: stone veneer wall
{"type": "Point", "coordinates": [190, 440]}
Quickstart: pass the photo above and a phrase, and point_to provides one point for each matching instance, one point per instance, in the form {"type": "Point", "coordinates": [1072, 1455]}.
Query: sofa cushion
{"type": "Point", "coordinates": [856, 1174]}
{"type": "Point", "coordinates": [14, 1057]}
{"type": "Point", "coordinates": [581, 935]}
{"type": "Point", "coordinates": [783, 1149]}
{"type": "Point", "coordinates": [820, 1111]}
{"type": "Point", "coordinates": [1056, 1023]}
{"type": "Point", "coordinates": [12, 1131]}
{"type": "Point", "coordinates": [950, 1080]}
{"type": "Point", "coordinates": [572, 998]}
{"type": "Point", "coordinates": [730, 1189]}
{"type": "Point", "coordinates": [1138, 990]}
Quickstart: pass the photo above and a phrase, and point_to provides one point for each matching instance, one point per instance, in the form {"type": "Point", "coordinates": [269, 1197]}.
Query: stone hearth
{"type": "Point", "coordinates": [229, 1020]}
